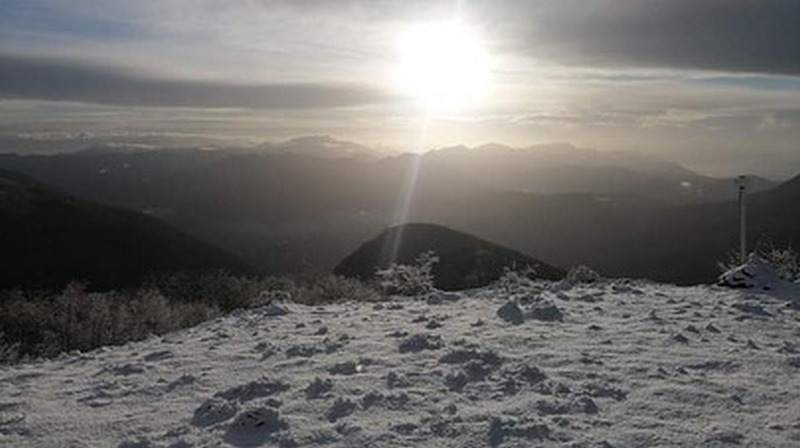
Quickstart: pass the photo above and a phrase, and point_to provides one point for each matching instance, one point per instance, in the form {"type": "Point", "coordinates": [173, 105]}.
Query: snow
{"type": "Point", "coordinates": [602, 364]}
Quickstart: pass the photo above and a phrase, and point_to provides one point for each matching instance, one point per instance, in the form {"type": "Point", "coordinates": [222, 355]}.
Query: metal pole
{"type": "Point", "coordinates": [742, 181]}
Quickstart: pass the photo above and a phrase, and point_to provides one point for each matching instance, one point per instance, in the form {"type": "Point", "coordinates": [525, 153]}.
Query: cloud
{"type": "Point", "coordinates": [754, 36]}
{"type": "Point", "coordinates": [726, 35]}
{"type": "Point", "coordinates": [65, 80]}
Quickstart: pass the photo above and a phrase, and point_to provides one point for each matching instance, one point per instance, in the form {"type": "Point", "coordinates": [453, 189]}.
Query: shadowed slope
{"type": "Point", "coordinates": [50, 239]}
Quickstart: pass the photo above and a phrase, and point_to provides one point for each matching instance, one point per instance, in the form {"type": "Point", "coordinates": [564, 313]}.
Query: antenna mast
{"type": "Point", "coordinates": [742, 182]}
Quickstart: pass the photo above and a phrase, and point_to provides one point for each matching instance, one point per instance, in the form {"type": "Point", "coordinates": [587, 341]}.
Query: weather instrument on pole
{"type": "Point", "coordinates": [741, 184]}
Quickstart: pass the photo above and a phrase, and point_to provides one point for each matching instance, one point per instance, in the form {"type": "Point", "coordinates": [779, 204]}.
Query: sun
{"type": "Point", "coordinates": [444, 66]}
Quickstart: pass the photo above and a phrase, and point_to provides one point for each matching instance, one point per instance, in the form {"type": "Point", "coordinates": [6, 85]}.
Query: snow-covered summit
{"type": "Point", "coordinates": [612, 364]}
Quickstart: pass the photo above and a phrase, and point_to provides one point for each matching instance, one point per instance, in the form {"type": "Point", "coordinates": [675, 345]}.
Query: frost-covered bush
{"type": "Point", "coordinates": [217, 288]}
{"type": "Point", "coordinates": [334, 289]}
{"type": "Point", "coordinates": [785, 261]}
{"type": "Point", "coordinates": [582, 274]}
{"type": "Point", "coordinates": [516, 280]}
{"type": "Point", "coordinates": [45, 324]}
{"type": "Point", "coordinates": [9, 351]}
{"type": "Point", "coordinates": [409, 279]}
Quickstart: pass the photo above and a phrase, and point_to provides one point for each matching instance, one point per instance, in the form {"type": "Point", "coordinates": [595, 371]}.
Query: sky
{"type": "Point", "coordinates": [712, 84]}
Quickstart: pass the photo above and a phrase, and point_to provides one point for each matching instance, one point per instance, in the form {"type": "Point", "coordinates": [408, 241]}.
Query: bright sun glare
{"type": "Point", "coordinates": [444, 66]}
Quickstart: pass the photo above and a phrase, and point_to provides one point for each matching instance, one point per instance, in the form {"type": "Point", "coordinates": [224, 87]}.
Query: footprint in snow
{"type": "Point", "coordinates": [501, 429]}
{"type": "Point", "coordinates": [420, 342]}
{"type": "Point", "coordinates": [254, 427]}
{"type": "Point", "coordinates": [340, 408]}
{"type": "Point", "coordinates": [263, 387]}
{"type": "Point", "coordinates": [10, 415]}
{"type": "Point", "coordinates": [303, 350]}
{"type": "Point", "coordinates": [346, 368]}
{"type": "Point", "coordinates": [213, 411]}
{"type": "Point", "coordinates": [578, 405]}
{"type": "Point", "coordinates": [159, 355]}
{"type": "Point", "coordinates": [396, 380]}
{"type": "Point", "coordinates": [319, 389]}
{"type": "Point", "coordinates": [123, 369]}
{"type": "Point", "coordinates": [678, 337]}
{"type": "Point", "coordinates": [184, 380]}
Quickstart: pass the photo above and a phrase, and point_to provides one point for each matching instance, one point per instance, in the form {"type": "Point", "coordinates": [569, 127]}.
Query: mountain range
{"type": "Point", "coordinates": [294, 208]}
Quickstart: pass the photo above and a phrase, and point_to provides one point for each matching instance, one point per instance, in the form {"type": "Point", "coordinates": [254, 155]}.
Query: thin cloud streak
{"type": "Point", "coordinates": [63, 80]}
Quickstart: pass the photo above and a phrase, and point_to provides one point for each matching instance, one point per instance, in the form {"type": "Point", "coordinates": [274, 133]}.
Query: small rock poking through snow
{"type": "Point", "coordinates": [275, 308]}
{"type": "Point", "coordinates": [547, 312]}
{"type": "Point", "coordinates": [511, 313]}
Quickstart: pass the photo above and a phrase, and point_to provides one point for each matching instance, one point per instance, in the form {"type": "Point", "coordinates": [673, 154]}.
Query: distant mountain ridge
{"type": "Point", "coordinates": [563, 168]}
{"type": "Point", "coordinates": [465, 261]}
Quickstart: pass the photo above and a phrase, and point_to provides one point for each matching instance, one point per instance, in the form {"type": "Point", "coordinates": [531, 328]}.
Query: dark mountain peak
{"type": "Point", "coordinates": [791, 186]}
{"type": "Point", "coordinates": [465, 261]}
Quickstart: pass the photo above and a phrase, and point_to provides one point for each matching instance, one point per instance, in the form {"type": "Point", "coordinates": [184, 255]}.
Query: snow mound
{"type": "Point", "coordinates": [756, 274]}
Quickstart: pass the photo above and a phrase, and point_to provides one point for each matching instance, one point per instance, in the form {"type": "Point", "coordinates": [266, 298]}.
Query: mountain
{"type": "Point", "coordinates": [465, 261]}
{"type": "Point", "coordinates": [607, 364]}
{"type": "Point", "coordinates": [50, 238]}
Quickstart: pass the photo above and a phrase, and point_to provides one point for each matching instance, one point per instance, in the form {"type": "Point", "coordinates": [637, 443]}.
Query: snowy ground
{"type": "Point", "coordinates": [622, 364]}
